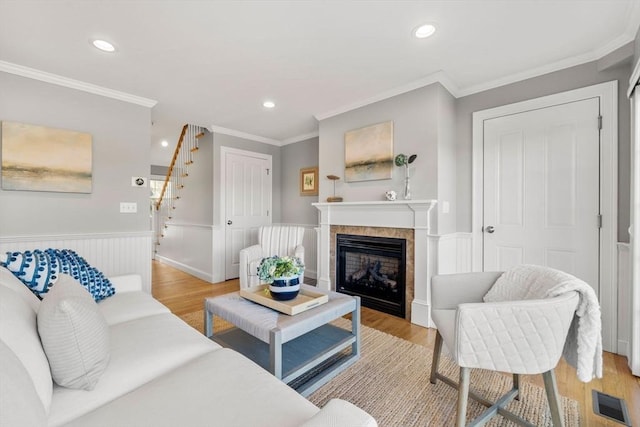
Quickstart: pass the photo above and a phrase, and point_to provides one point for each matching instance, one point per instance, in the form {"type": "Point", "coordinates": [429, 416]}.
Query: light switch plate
{"type": "Point", "coordinates": [128, 207]}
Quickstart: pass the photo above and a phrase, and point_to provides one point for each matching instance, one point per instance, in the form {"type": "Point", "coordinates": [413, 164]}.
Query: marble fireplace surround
{"type": "Point", "coordinates": [408, 219]}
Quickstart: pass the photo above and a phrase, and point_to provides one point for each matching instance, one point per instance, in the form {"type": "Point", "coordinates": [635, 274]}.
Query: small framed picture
{"type": "Point", "coordinates": [309, 181]}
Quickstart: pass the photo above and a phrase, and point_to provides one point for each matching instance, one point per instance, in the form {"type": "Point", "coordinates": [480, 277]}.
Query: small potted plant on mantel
{"type": "Point", "coordinates": [283, 275]}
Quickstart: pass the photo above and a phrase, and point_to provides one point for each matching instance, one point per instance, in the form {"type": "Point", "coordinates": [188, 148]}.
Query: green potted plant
{"type": "Point", "coordinates": [404, 160]}
{"type": "Point", "coordinates": [282, 274]}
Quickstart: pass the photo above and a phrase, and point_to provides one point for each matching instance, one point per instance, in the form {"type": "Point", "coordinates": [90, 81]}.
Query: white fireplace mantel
{"type": "Point", "coordinates": [398, 214]}
{"type": "Point", "coordinates": [413, 214]}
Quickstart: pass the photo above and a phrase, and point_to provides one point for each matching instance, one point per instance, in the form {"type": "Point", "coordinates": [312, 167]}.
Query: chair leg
{"type": "Point", "coordinates": [551, 387]}
{"type": "Point", "coordinates": [463, 396]}
{"type": "Point", "coordinates": [437, 347]}
{"type": "Point", "coordinates": [516, 385]}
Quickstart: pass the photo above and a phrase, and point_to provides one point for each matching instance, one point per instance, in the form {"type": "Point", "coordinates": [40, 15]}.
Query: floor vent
{"type": "Point", "coordinates": [610, 407]}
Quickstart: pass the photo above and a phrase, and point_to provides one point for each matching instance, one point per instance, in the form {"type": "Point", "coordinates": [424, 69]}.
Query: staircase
{"type": "Point", "coordinates": [177, 176]}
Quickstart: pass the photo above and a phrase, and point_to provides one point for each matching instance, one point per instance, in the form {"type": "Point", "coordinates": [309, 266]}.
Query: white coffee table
{"type": "Point", "coordinates": [289, 346]}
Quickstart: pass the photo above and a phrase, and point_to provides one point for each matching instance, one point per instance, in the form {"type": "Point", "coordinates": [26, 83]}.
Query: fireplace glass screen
{"type": "Point", "coordinates": [372, 268]}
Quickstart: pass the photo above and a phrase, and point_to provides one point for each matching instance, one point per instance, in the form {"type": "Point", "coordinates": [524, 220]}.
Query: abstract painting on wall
{"type": "Point", "coordinates": [368, 153]}
{"type": "Point", "coordinates": [38, 158]}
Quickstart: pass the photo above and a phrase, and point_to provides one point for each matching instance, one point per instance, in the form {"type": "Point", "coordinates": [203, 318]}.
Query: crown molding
{"type": "Point", "coordinates": [593, 55]}
{"type": "Point", "coordinates": [634, 79]}
{"type": "Point", "coordinates": [437, 77]}
{"type": "Point", "coordinates": [299, 138]}
{"type": "Point", "coordinates": [629, 35]}
{"type": "Point", "coordinates": [458, 92]}
{"type": "Point", "coordinates": [240, 134]}
{"type": "Point", "coordinates": [32, 73]}
{"type": "Point", "coordinates": [529, 74]}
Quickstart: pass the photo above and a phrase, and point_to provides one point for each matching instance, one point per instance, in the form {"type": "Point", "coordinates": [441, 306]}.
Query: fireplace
{"type": "Point", "coordinates": [373, 268]}
{"type": "Point", "coordinates": [404, 219]}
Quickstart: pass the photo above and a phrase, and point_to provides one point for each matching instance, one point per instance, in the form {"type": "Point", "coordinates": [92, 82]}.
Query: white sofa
{"type": "Point", "coordinates": [161, 372]}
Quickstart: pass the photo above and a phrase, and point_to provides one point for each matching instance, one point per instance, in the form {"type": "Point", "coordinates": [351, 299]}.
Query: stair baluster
{"type": "Point", "coordinates": [176, 176]}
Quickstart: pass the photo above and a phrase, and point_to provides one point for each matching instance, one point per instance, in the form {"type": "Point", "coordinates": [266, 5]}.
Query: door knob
{"type": "Point", "coordinates": [229, 222]}
{"type": "Point", "coordinates": [489, 229]}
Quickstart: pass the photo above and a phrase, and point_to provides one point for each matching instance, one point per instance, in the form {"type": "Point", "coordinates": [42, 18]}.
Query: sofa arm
{"type": "Point", "coordinates": [339, 412]}
{"type": "Point", "coordinates": [449, 290]}
{"type": "Point", "coordinates": [246, 256]}
{"type": "Point", "coordinates": [127, 283]}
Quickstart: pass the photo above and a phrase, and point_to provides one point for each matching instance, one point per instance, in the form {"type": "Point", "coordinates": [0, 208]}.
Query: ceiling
{"type": "Point", "coordinates": [213, 63]}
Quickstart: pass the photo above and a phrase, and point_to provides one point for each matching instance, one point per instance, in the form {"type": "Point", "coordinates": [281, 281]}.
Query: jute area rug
{"type": "Point", "coordinates": [391, 382]}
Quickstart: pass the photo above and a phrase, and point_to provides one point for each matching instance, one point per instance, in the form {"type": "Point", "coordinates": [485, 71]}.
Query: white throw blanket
{"type": "Point", "coordinates": [583, 347]}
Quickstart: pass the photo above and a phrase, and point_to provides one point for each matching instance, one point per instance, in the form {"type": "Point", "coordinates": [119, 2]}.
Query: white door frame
{"type": "Point", "coordinates": [608, 94]}
{"type": "Point", "coordinates": [634, 229]}
{"type": "Point", "coordinates": [223, 193]}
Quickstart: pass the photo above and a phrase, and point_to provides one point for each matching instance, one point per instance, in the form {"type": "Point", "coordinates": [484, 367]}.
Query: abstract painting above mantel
{"type": "Point", "coordinates": [38, 158]}
{"type": "Point", "coordinates": [368, 153]}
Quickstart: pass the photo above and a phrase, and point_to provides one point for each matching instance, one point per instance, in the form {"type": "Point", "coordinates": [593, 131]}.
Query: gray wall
{"type": "Point", "coordinates": [297, 209]}
{"type": "Point", "coordinates": [199, 203]}
{"type": "Point", "coordinates": [559, 81]}
{"type": "Point", "coordinates": [447, 167]}
{"type": "Point", "coordinates": [221, 140]}
{"type": "Point", "coordinates": [424, 123]}
{"type": "Point", "coordinates": [415, 128]}
{"type": "Point", "coordinates": [157, 170]}
{"type": "Point", "coordinates": [121, 137]}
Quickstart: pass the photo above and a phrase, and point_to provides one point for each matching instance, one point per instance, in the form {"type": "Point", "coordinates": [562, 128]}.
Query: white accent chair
{"type": "Point", "coordinates": [281, 240]}
{"type": "Point", "coordinates": [517, 337]}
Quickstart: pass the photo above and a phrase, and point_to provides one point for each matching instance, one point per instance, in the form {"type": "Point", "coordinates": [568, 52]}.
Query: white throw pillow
{"type": "Point", "coordinates": [19, 331]}
{"type": "Point", "coordinates": [20, 404]}
{"type": "Point", "coordinates": [74, 335]}
{"type": "Point", "coordinates": [10, 281]}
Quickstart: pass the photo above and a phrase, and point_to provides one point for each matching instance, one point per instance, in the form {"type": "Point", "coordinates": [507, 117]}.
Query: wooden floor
{"type": "Point", "coordinates": [183, 293]}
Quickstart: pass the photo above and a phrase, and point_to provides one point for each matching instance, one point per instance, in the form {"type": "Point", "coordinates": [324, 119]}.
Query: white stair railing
{"type": "Point", "coordinates": [176, 176]}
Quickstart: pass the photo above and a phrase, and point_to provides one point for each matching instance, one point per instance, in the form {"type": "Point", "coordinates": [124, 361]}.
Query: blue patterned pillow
{"type": "Point", "coordinates": [39, 270]}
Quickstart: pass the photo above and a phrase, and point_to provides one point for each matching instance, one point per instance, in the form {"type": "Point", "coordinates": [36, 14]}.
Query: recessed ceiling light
{"type": "Point", "coordinates": [164, 143]}
{"type": "Point", "coordinates": [268, 104]}
{"type": "Point", "coordinates": [424, 31]}
{"type": "Point", "coordinates": [103, 45]}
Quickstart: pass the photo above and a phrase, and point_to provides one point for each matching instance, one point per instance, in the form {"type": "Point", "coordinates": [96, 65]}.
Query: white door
{"type": "Point", "coordinates": [247, 198]}
{"type": "Point", "coordinates": [541, 190]}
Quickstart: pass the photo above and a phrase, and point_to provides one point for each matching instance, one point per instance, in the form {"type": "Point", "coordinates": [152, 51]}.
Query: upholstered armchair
{"type": "Point", "coordinates": [517, 337]}
{"type": "Point", "coordinates": [272, 240]}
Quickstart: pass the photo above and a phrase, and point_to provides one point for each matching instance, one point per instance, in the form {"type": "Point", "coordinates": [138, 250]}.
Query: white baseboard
{"type": "Point", "coordinates": [623, 348]}
{"type": "Point", "coordinates": [187, 269]}
{"type": "Point", "coordinates": [421, 313]}
{"type": "Point", "coordinates": [312, 274]}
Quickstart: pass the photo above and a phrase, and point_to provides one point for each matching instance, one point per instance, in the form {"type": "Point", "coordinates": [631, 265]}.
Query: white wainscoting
{"type": "Point", "coordinates": [453, 253]}
{"type": "Point", "coordinates": [189, 248]}
{"type": "Point", "coordinates": [199, 250]}
{"type": "Point", "coordinates": [112, 253]}
{"type": "Point", "coordinates": [624, 298]}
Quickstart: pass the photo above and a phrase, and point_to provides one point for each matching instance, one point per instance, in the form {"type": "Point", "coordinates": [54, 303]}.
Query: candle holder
{"type": "Point", "coordinates": [335, 198]}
